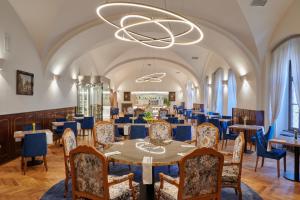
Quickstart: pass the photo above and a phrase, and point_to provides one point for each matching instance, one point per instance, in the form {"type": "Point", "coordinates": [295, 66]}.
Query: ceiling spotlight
{"type": "Point", "coordinates": [125, 30]}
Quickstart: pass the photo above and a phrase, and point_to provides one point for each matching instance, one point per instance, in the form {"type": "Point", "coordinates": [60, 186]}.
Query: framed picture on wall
{"type": "Point", "coordinates": [127, 96]}
{"type": "Point", "coordinates": [172, 96]}
{"type": "Point", "coordinates": [24, 83]}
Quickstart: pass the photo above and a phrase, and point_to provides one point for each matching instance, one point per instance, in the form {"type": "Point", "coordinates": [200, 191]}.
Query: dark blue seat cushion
{"type": "Point", "coordinates": [276, 154]}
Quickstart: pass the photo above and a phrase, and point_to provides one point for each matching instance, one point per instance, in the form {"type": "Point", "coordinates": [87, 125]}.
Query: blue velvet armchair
{"type": "Point", "coordinates": [87, 124]}
{"type": "Point", "coordinates": [182, 133]}
{"type": "Point", "coordinates": [137, 132]}
{"type": "Point", "coordinates": [261, 151]}
{"type": "Point", "coordinates": [33, 145]}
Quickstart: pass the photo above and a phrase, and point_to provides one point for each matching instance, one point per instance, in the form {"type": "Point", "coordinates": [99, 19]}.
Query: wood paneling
{"type": "Point", "coordinates": [255, 117]}
{"type": "Point", "coordinates": [9, 149]}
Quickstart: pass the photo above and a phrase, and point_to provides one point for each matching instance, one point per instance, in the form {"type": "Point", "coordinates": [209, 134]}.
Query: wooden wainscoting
{"type": "Point", "coordinates": [9, 149]}
{"type": "Point", "coordinates": [255, 117]}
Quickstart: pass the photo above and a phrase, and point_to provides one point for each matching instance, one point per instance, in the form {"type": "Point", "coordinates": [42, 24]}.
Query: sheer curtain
{"type": "Point", "coordinates": [295, 60]}
{"type": "Point", "coordinates": [189, 95]}
{"type": "Point", "coordinates": [206, 94]}
{"type": "Point", "coordinates": [231, 92]}
{"type": "Point", "coordinates": [278, 79]}
{"type": "Point", "coordinates": [217, 96]}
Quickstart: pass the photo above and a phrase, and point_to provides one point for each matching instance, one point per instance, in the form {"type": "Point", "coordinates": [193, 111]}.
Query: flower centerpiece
{"type": "Point", "coordinates": [148, 117]}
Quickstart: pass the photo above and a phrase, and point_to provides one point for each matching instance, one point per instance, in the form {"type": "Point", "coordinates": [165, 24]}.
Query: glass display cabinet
{"type": "Point", "coordinates": [93, 97]}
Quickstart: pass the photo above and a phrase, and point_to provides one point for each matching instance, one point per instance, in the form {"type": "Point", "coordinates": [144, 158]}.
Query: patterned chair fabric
{"type": "Point", "coordinates": [207, 136]}
{"type": "Point", "coordinates": [104, 133]}
{"type": "Point", "coordinates": [90, 177]}
{"type": "Point", "coordinates": [200, 176]}
{"type": "Point", "coordinates": [160, 130]}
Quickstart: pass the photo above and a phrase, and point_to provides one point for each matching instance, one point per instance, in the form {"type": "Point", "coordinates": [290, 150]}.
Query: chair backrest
{"type": "Point", "coordinates": [140, 121]}
{"type": "Point", "coordinates": [271, 133]}
{"type": "Point", "coordinates": [238, 149]}
{"type": "Point", "coordinates": [87, 123]}
{"type": "Point", "coordinates": [216, 123]}
{"type": "Point", "coordinates": [137, 131]}
{"type": "Point", "coordinates": [201, 175]}
{"type": "Point", "coordinates": [119, 120]}
{"type": "Point", "coordinates": [28, 127]}
{"type": "Point", "coordinates": [183, 133]}
{"type": "Point", "coordinates": [207, 136]}
{"type": "Point", "coordinates": [34, 145]}
{"type": "Point", "coordinates": [89, 171]}
{"type": "Point", "coordinates": [163, 112]}
{"type": "Point", "coordinates": [61, 119]}
{"type": "Point", "coordinates": [104, 133]}
{"type": "Point", "coordinates": [71, 125]}
{"type": "Point", "coordinates": [160, 130]}
{"type": "Point", "coordinates": [261, 144]}
{"type": "Point", "coordinates": [69, 141]}
{"type": "Point", "coordinates": [201, 119]}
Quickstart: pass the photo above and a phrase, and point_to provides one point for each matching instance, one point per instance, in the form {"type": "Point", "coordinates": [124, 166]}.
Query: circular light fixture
{"type": "Point", "coordinates": [154, 78]}
{"type": "Point", "coordinates": [128, 31]}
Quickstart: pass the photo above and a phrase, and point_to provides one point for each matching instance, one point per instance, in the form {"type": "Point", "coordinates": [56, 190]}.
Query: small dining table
{"type": "Point", "coordinates": [246, 129]}
{"type": "Point", "coordinates": [289, 141]}
{"type": "Point", "coordinates": [132, 152]}
{"type": "Point", "coordinates": [58, 124]}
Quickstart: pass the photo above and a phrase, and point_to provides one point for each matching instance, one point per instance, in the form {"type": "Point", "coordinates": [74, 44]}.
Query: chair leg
{"type": "Point", "coordinates": [222, 144]}
{"type": "Point", "coordinates": [250, 146]}
{"type": "Point", "coordinates": [257, 158]}
{"type": "Point", "coordinates": [262, 162]}
{"type": "Point", "coordinates": [278, 168]}
{"type": "Point", "coordinates": [226, 144]}
{"type": "Point", "coordinates": [25, 166]}
{"type": "Point", "coordinates": [284, 163]}
{"type": "Point", "coordinates": [45, 162]}
{"type": "Point", "coordinates": [66, 186]}
{"type": "Point", "coordinates": [22, 163]}
{"type": "Point", "coordinates": [240, 192]}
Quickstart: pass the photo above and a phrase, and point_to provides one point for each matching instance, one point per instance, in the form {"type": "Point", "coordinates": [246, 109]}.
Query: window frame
{"type": "Point", "coordinates": [290, 114]}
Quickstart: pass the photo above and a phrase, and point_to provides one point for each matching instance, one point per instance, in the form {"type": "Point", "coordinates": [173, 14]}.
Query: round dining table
{"type": "Point", "coordinates": [132, 152]}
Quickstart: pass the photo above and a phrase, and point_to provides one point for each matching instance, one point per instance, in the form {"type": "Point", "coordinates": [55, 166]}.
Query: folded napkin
{"type": "Point", "coordinates": [112, 153]}
{"type": "Point", "coordinates": [188, 145]}
{"type": "Point", "coordinates": [181, 154]}
{"type": "Point", "coordinates": [126, 129]}
{"type": "Point", "coordinates": [119, 143]}
{"type": "Point", "coordinates": [147, 170]}
{"type": "Point", "coordinates": [167, 141]}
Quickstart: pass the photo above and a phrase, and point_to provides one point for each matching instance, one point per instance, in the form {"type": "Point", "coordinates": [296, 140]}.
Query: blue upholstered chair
{"type": "Point", "coordinates": [261, 151]}
{"type": "Point", "coordinates": [137, 132]}
{"type": "Point", "coordinates": [182, 133]}
{"type": "Point", "coordinates": [181, 121]}
{"type": "Point", "coordinates": [226, 117]}
{"type": "Point", "coordinates": [120, 120]}
{"type": "Point", "coordinates": [28, 127]}
{"type": "Point", "coordinates": [173, 120]}
{"type": "Point", "coordinates": [61, 119]}
{"type": "Point", "coordinates": [140, 120]}
{"type": "Point", "coordinates": [72, 126]}
{"type": "Point", "coordinates": [87, 124]}
{"type": "Point", "coordinates": [201, 119]}
{"type": "Point", "coordinates": [127, 118]}
{"type": "Point", "coordinates": [270, 134]}
{"type": "Point", "coordinates": [34, 145]}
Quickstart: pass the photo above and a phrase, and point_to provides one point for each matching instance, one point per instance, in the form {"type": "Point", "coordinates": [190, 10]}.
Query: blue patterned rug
{"type": "Point", "coordinates": [56, 192]}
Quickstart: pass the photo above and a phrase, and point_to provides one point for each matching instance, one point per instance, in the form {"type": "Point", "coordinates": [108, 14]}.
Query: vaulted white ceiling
{"type": "Point", "coordinates": [69, 36]}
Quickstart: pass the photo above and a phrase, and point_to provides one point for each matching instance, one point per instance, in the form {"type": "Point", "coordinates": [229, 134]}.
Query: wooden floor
{"type": "Point", "coordinates": [14, 185]}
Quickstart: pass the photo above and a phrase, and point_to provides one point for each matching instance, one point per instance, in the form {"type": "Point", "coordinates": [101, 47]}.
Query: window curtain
{"type": "Point", "coordinates": [278, 79]}
{"type": "Point", "coordinates": [189, 95]}
{"type": "Point", "coordinates": [206, 94]}
{"type": "Point", "coordinates": [232, 101]}
{"type": "Point", "coordinates": [217, 96]}
{"type": "Point", "coordinates": [295, 60]}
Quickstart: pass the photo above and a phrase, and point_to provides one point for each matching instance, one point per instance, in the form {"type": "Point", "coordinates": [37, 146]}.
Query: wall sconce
{"type": "Point", "coordinates": [2, 60]}
{"type": "Point", "coordinates": [225, 82]}
{"type": "Point", "coordinates": [244, 77]}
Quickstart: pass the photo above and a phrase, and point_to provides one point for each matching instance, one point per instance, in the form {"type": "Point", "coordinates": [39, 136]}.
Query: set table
{"type": "Point", "coordinates": [58, 124]}
{"type": "Point", "coordinates": [289, 141]}
{"type": "Point", "coordinates": [246, 129]}
{"type": "Point", "coordinates": [131, 153]}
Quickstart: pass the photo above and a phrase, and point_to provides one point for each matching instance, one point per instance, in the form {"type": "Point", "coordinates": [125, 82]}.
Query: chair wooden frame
{"type": "Point", "coordinates": [212, 126]}
{"type": "Point", "coordinates": [180, 184]}
{"type": "Point", "coordinates": [67, 132]}
{"type": "Point", "coordinates": [163, 122]}
{"type": "Point", "coordinates": [92, 150]}
{"type": "Point", "coordinates": [237, 186]}
{"type": "Point", "coordinates": [100, 123]}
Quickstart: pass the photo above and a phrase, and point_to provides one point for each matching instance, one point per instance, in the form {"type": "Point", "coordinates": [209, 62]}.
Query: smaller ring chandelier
{"type": "Point", "coordinates": [154, 78]}
{"type": "Point", "coordinates": [160, 18]}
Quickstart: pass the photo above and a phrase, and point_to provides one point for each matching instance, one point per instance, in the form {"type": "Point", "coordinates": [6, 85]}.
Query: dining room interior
{"type": "Point", "coordinates": [149, 99]}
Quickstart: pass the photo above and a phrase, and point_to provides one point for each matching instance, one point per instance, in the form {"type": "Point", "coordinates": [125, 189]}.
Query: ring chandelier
{"type": "Point", "coordinates": [154, 78]}
{"type": "Point", "coordinates": [125, 33]}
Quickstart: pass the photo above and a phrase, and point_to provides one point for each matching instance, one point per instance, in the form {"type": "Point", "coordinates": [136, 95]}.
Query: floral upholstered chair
{"type": "Point", "coordinates": [69, 143]}
{"type": "Point", "coordinates": [200, 177]}
{"type": "Point", "coordinates": [232, 169]}
{"type": "Point", "coordinates": [90, 179]}
{"type": "Point", "coordinates": [207, 136]}
{"type": "Point", "coordinates": [160, 130]}
{"type": "Point", "coordinates": [104, 134]}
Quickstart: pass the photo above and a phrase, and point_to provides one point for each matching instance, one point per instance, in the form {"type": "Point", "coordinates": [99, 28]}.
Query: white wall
{"type": "Point", "coordinates": [22, 55]}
